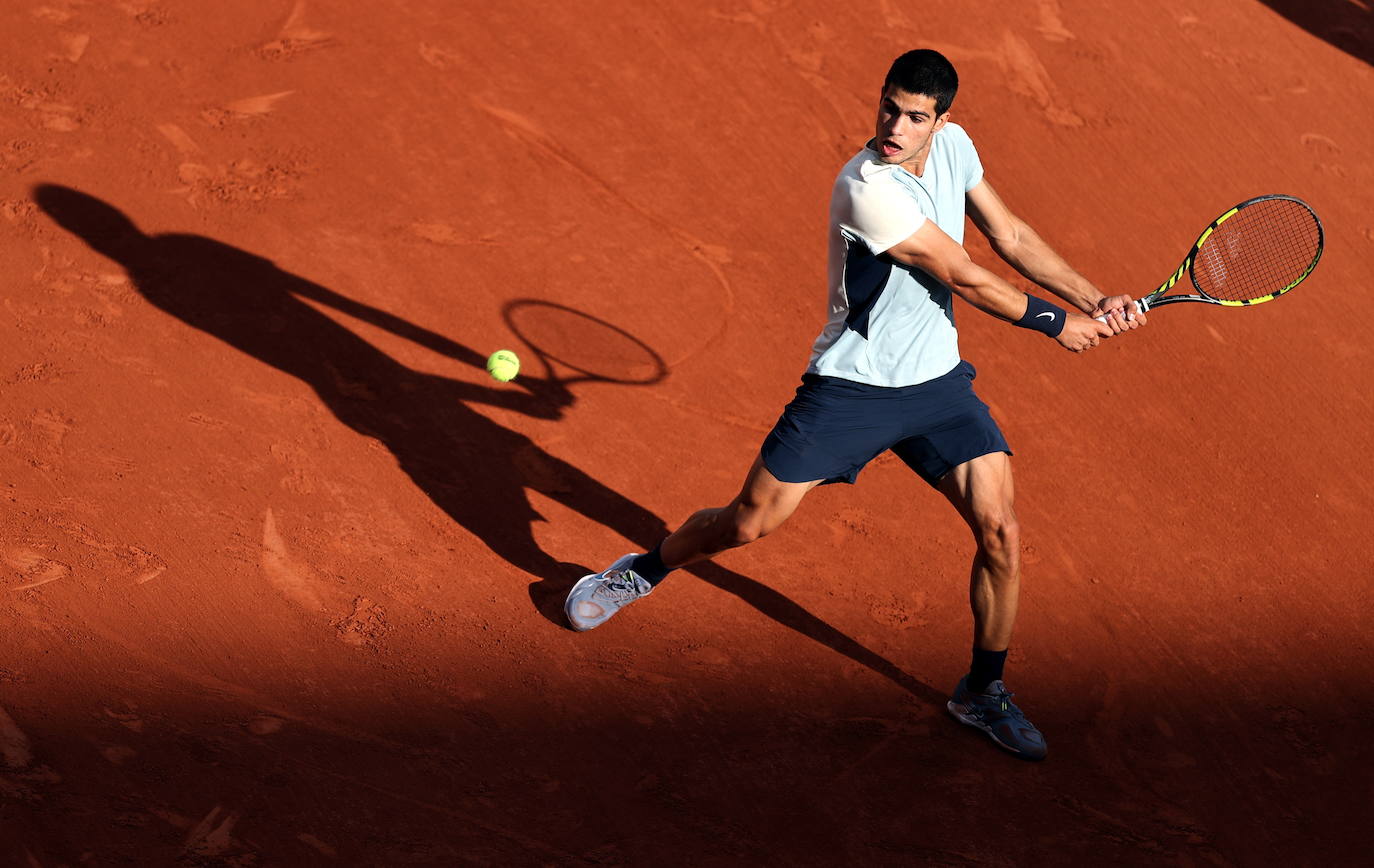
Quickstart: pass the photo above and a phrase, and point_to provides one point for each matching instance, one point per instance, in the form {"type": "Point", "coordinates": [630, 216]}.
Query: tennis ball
{"type": "Point", "coordinates": [503, 365]}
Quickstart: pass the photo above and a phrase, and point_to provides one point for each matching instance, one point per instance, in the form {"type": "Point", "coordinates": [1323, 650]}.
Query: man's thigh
{"type": "Point", "coordinates": [981, 489]}
{"type": "Point", "coordinates": [769, 500]}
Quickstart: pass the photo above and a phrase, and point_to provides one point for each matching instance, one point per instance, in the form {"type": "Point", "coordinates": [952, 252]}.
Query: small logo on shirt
{"type": "Point", "coordinates": [1047, 313]}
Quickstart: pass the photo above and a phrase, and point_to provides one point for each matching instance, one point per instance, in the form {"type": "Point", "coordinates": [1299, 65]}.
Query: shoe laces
{"type": "Point", "coordinates": [620, 586]}
{"type": "Point", "coordinates": [1001, 701]}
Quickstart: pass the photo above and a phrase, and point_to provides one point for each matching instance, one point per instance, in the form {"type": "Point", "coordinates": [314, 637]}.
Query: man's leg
{"type": "Point", "coordinates": [763, 504]}
{"type": "Point", "coordinates": [982, 491]}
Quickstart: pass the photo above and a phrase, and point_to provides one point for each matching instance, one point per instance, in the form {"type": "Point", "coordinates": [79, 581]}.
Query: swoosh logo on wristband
{"type": "Point", "coordinates": [1047, 313]}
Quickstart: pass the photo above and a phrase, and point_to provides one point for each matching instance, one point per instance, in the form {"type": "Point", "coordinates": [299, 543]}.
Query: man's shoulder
{"type": "Point", "coordinates": [868, 186]}
{"type": "Point", "coordinates": [864, 168]}
{"type": "Point", "coordinates": [955, 134]}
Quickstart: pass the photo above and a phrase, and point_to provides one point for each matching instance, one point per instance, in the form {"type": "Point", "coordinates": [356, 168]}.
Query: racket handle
{"type": "Point", "coordinates": [1141, 305]}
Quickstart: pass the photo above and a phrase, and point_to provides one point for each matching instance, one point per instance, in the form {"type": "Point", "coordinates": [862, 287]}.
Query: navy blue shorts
{"type": "Point", "coordinates": [833, 427]}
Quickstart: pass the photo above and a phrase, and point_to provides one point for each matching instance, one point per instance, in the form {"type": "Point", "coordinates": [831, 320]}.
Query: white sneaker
{"type": "Point", "coordinates": [595, 598]}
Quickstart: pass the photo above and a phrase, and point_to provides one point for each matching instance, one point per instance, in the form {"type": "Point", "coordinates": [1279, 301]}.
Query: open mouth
{"type": "Point", "coordinates": [887, 148]}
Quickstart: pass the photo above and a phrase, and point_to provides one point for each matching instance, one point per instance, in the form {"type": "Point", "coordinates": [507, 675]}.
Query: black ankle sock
{"type": "Point", "coordinates": [986, 668]}
{"type": "Point", "coordinates": [650, 567]}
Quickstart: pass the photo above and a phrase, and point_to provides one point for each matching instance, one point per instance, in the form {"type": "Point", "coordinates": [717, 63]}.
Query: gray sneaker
{"type": "Point", "coordinates": [993, 712]}
{"type": "Point", "coordinates": [595, 598]}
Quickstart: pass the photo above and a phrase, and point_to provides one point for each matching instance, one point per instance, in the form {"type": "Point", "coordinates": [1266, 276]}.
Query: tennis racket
{"type": "Point", "coordinates": [1253, 253]}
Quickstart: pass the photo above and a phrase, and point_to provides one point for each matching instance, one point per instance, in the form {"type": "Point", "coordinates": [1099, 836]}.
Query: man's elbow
{"type": "Point", "coordinates": [1007, 245]}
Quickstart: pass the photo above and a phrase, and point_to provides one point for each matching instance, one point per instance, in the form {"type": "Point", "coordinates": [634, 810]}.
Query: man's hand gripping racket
{"type": "Point", "coordinates": [1253, 253]}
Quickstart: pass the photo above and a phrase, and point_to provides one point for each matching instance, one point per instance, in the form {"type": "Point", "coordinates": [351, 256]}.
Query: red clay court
{"type": "Point", "coordinates": [281, 567]}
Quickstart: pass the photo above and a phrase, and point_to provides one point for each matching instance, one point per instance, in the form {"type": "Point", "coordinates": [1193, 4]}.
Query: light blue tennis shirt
{"type": "Point", "coordinates": [890, 324]}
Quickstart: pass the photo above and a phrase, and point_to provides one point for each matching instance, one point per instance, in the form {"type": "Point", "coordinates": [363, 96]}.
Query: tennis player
{"type": "Point", "coordinates": [885, 373]}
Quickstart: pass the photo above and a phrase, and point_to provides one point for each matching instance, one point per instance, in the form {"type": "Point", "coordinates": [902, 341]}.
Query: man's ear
{"type": "Point", "coordinates": [941, 121]}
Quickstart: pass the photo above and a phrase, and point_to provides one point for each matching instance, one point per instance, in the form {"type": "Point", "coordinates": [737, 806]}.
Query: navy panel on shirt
{"type": "Point", "coordinates": [865, 277]}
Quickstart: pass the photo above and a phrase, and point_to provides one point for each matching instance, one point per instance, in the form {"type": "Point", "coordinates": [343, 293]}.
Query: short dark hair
{"type": "Point", "coordinates": [925, 72]}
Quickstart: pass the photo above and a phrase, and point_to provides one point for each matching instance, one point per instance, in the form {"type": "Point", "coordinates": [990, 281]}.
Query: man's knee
{"type": "Point", "coordinates": [744, 530]}
{"type": "Point", "coordinates": [999, 534]}
{"type": "Point", "coordinates": [752, 523]}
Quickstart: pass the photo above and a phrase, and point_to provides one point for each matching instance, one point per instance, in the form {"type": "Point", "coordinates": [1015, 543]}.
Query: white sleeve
{"type": "Point", "coordinates": [881, 214]}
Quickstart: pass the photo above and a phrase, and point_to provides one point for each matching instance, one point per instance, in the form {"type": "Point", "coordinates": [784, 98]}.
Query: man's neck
{"type": "Point", "coordinates": [917, 164]}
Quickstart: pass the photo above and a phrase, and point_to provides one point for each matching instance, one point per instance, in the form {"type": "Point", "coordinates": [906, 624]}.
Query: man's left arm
{"type": "Point", "coordinates": [1017, 243]}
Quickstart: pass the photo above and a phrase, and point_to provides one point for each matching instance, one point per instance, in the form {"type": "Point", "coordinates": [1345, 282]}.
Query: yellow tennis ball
{"type": "Point", "coordinates": [503, 365]}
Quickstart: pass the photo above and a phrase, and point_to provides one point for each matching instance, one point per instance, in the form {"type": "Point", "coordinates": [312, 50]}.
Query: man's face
{"type": "Point", "coordinates": [906, 123]}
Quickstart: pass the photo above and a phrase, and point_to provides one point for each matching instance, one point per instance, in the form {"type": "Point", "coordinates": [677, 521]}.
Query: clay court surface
{"type": "Point", "coordinates": [281, 567]}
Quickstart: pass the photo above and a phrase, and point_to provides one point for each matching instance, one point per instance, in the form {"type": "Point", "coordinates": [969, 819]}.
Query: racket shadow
{"type": "Point", "coordinates": [473, 468]}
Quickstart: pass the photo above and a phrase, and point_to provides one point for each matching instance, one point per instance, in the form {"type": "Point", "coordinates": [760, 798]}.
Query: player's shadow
{"type": "Point", "coordinates": [1347, 25]}
{"type": "Point", "coordinates": [474, 469]}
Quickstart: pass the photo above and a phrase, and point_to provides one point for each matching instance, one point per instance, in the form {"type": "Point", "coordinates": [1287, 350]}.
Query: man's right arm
{"type": "Point", "coordinates": [943, 258]}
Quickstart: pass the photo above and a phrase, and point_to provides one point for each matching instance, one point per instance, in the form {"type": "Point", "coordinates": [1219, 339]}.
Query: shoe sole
{"type": "Point", "coordinates": [955, 710]}
{"type": "Point", "coordinates": [567, 604]}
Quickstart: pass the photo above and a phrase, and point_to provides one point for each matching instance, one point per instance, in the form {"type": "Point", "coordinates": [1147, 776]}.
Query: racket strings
{"type": "Point", "coordinates": [1261, 250]}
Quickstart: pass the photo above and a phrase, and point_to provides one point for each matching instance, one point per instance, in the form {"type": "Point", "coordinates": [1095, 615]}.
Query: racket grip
{"type": "Point", "coordinates": [1141, 305]}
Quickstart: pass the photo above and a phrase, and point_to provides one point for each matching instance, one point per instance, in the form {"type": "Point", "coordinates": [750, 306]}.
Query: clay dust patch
{"type": "Point", "coordinates": [1325, 152]}
{"type": "Point", "coordinates": [14, 744]}
{"type": "Point", "coordinates": [48, 13]}
{"type": "Point", "coordinates": [894, 613]}
{"type": "Point", "coordinates": [17, 211]}
{"type": "Point", "coordinates": [440, 58]}
{"type": "Point", "coordinates": [365, 626]}
{"type": "Point", "coordinates": [34, 568]}
{"type": "Point", "coordinates": [1024, 73]}
{"type": "Point", "coordinates": [289, 576]}
{"type": "Point", "coordinates": [61, 119]}
{"type": "Point", "coordinates": [150, 566]}
{"type": "Point", "coordinates": [213, 835]}
{"type": "Point", "coordinates": [244, 180]}
{"type": "Point", "coordinates": [127, 719]}
{"type": "Point", "coordinates": [117, 754]}
{"type": "Point", "coordinates": [74, 46]}
{"type": "Point", "coordinates": [254, 106]}
{"type": "Point", "coordinates": [1027, 76]}
{"type": "Point", "coordinates": [146, 14]}
{"type": "Point", "coordinates": [264, 724]}
{"type": "Point", "coordinates": [244, 109]}
{"type": "Point", "coordinates": [141, 564]}
{"type": "Point", "coordinates": [179, 138]}
{"type": "Point", "coordinates": [299, 478]}
{"type": "Point", "coordinates": [315, 843]}
{"type": "Point", "coordinates": [295, 38]}
{"type": "Point", "coordinates": [1051, 25]}
{"type": "Point", "coordinates": [447, 236]}
{"type": "Point", "coordinates": [16, 156]}
{"type": "Point", "coordinates": [54, 426]}
{"type": "Point", "coordinates": [38, 372]}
